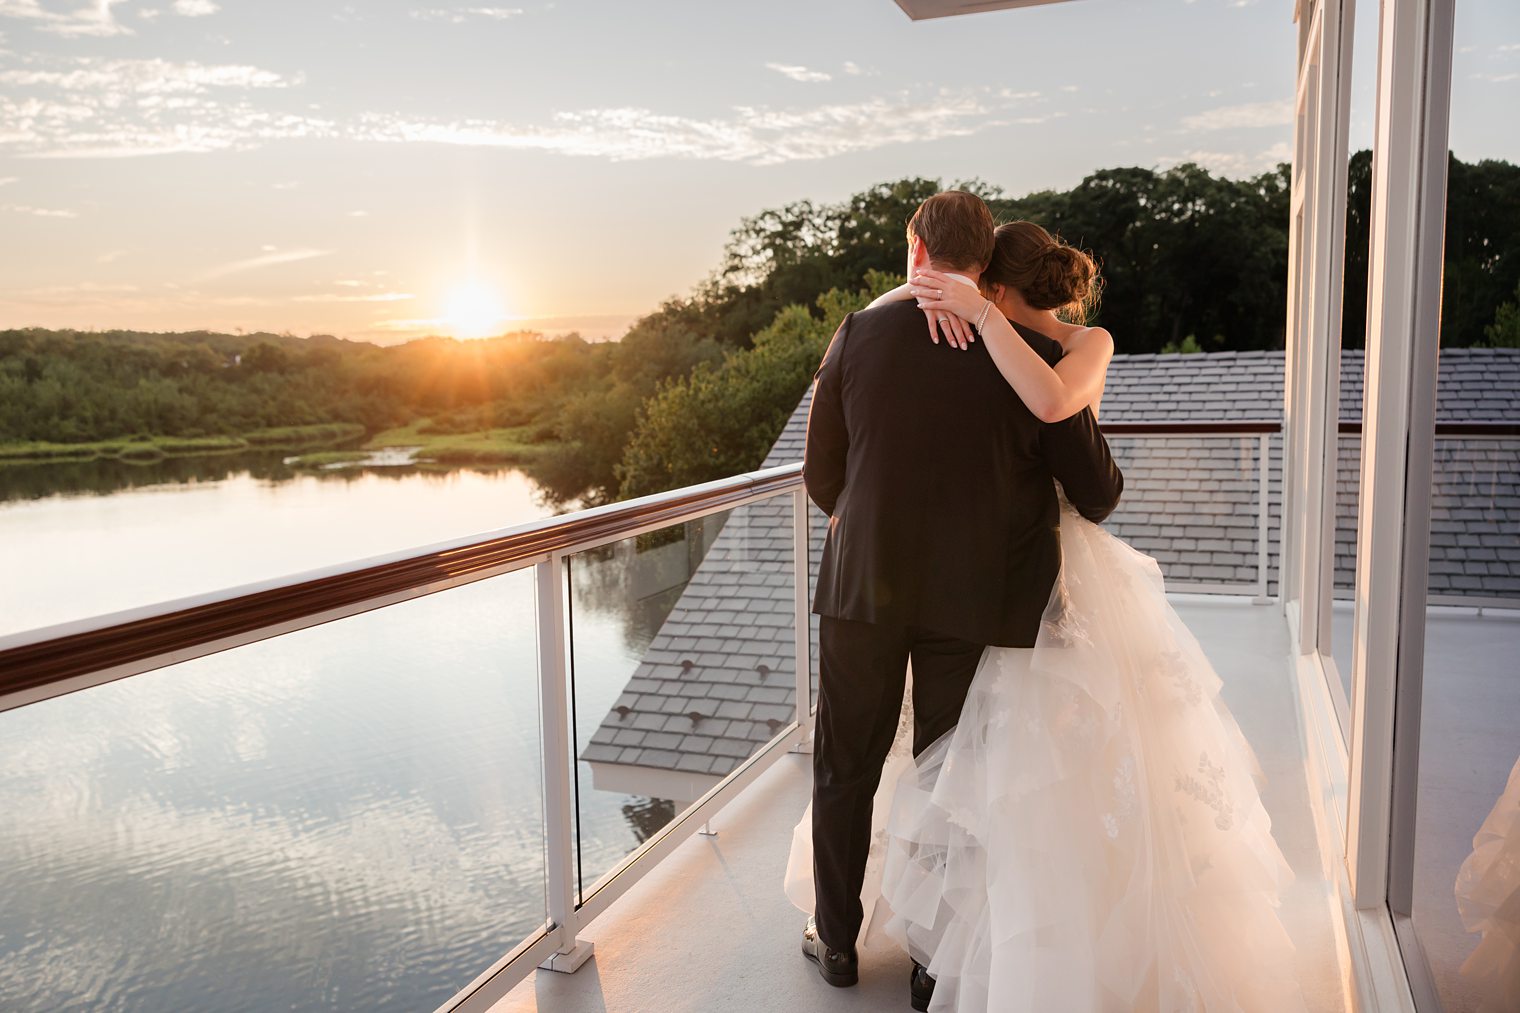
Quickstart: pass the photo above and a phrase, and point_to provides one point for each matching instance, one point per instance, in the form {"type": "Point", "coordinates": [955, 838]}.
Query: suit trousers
{"type": "Point", "coordinates": [861, 678]}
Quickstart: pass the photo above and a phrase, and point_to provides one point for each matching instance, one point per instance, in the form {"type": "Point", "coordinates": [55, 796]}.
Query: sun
{"type": "Point", "coordinates": [473, 310]}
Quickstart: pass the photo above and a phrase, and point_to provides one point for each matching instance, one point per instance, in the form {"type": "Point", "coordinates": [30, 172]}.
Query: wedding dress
{"type": "Point", "coordinates": [1488, 899]}
{"type": "Point", "coordinates": [1090, 836]}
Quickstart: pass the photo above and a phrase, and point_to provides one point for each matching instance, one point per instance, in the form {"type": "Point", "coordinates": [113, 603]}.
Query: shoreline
{"type": "Point", "coordinates": [326, 446]}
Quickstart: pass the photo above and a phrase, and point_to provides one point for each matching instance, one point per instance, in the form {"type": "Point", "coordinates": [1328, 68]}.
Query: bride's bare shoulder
{"type": "Point", "coordinates": [1096, 338]}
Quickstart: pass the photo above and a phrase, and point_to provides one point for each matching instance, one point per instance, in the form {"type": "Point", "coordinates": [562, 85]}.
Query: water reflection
{"type": "Point", "coordinates": [348, 817]}
{"type": "Point", "coordinates": [104, 476]}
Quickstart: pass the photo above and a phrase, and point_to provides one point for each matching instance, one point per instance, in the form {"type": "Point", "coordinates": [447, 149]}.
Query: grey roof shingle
{"type": "Point", "coordinates": [1191, 502]}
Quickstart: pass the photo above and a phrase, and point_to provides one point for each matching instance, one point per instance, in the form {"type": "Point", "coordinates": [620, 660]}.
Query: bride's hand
{"type": "Point", "coordinates": [941, 296]}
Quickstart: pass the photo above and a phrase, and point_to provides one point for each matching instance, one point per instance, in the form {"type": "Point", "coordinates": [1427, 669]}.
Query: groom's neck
{"type": "Point", "coordinates": [942, 268]}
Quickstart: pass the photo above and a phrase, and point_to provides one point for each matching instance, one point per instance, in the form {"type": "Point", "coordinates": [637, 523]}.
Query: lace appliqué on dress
{"type": "Point", "coordinates": [1209, 790]}
{"type": "Point", "coordinates": [1124, 797]}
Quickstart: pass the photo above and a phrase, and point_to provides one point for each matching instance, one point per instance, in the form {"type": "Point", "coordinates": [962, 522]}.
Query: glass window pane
{"type": "Point", "coordinates": [1466, 889]}
{"type": "Point", "coordinates": [345, 817]}
{"type": "Point", "coordinates": [693, 675]}
{"type": "Point", "coordinates": [1469, 746]}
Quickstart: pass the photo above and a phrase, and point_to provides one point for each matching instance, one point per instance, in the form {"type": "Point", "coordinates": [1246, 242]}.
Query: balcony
{"type": "Point", "coordinates": [663, 780]}
{"type": "Point", "coordinates": [713, 914]}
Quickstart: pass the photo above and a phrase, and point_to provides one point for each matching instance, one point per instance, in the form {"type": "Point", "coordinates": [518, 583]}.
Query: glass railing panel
{"type": "Point", "coordinates": [1467, 841]}
{"type": "Point", "coordinates": [346, 817]}
{"type": "Point", "coordinates": [691, 673]}
{"type": "Point", "coordinates": [1194, 503]}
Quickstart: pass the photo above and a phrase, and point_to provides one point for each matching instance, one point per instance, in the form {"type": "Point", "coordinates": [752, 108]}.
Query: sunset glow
{"type": "Point", "coordinates": [473, 310]}
{"type": "Point", "coordinates": [283, 166]}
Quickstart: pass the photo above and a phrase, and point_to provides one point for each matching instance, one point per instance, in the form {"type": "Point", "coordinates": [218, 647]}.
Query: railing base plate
{"type": "Point", "coordinates": [570, 962]}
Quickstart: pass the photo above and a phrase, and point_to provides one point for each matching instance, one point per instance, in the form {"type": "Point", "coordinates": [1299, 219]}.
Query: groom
{"type": "Point", "coordinates": [943, 539]}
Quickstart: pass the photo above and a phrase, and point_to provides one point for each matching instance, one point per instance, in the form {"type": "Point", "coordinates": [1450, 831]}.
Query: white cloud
{"type": "Point", "coordinates": [27, 209]}
{"type": "Point", "coordinates": [195, 8]}
{"type": "Point", "coordinates": [757, 135]}
{"type": "Point", "coordinates": [268, 259]}
{"type": "Point", "coordinates": [113, 108]}
{"type": "Point", "coordinates": [1234, 164]}
{"type": "Point", "coordinates": [118, 80]}
{"type": "Point", "coordinates": [7, 180]}
{"type": "Point", "coordinates": [797, 73]}
{"type": "Point", "coordinates": [1496, 78]}
{"type": "Point", "coordinates": [1251, 114]}
{"type": "Point", "coordinates": [358, 214]}
{"type": "Point", "coordinates": [93, 18]}
{"type": "Point", "coordinates": [85, 108]}
{"type": "Point", "coordinates": [345, 298]}
{"type": "Point", "coordinates": [459, 15]}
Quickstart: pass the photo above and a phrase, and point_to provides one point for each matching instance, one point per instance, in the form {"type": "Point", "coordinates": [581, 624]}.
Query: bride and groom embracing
{"type": "Point", "coordinates": [1078, 825]}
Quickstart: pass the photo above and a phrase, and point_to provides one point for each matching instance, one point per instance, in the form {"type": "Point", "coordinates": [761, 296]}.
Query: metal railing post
{"type": "Point", "coordinates": [802, 618]}
{"type": "Point", "coordinates": [559, 832]}
{"type": "Point", "coordinates": [1262, 518]}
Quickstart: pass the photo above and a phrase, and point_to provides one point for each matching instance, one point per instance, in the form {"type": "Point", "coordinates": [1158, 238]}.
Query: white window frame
{"type": "Point", "coordinates": [1363, 753]}
{"type": "Point", "coordinates": [1393, 542]}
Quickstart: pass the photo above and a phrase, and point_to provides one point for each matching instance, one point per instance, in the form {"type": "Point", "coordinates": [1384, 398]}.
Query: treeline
{"type": "Point", "coordinates": [700, 388]}
{"type": "Point", "coordinates": [578, 399]}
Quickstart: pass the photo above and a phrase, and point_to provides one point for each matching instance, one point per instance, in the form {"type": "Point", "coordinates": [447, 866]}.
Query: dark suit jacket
{"type": "Point", "coordinates": [939, 483]}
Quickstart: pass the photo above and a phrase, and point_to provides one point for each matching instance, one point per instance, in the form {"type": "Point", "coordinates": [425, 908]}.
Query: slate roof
{"type": "Point", "coordinates": [725, 653]}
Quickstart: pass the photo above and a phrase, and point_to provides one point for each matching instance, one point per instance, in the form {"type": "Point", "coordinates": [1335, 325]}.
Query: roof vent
{"type": "Point", "coordinates": [764, 670]}
{"type": "Point", "coordinates": [773, 724]}
{"type": "Point", "coordinates": [687, 664]}
{"type": "Point", "coordinates": [696, 717]}
{"type": "Point", "coordinates": [622, 710]}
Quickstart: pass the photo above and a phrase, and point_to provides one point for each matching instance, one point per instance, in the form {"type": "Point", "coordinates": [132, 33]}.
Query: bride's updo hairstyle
{"type": "Point", "coordinates": [1049, 274]}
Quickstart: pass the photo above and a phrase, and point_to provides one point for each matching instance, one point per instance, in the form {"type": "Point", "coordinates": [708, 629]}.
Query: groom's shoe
{"type": "Point", "coordinates": [920, 987]}
{"type": "Point", "coordinates": [838, 969]}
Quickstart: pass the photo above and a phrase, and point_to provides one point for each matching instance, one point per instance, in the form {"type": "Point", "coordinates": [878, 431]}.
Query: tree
{"type": "Point", "coordinates": [1481, 264]}
{"type": "Point", "coordinates": [1504, 332]}
{"type": "Point", "coordinates": [723, 418]}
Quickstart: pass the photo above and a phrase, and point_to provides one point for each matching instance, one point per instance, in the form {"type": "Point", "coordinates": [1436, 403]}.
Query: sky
{"type": "Point", "coordinates": [390, 168]}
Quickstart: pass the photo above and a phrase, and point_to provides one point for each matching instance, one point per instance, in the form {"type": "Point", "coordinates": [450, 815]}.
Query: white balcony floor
{"type": "Point", "coordinates": [709, 930]}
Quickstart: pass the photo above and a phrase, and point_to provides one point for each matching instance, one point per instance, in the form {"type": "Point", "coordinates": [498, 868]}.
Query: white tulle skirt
{"type": "Point", "coordinates": [1488, 899]}
{"type": "Point", "coordinates": [1090, 836]}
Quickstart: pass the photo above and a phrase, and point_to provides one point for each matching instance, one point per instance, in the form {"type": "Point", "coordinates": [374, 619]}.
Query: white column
{"type": "Point", "coordinates": [1393, 525]}
{"type": "Point", "coordinates": [1312, 378]}
{"type": "Point", "coordinates": [559, 831]}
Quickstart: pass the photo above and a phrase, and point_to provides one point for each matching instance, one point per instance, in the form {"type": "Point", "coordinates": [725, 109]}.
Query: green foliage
{"type": "Point", "coordinates": [590, 425]}
{"type": "Point", "coordinates": [1504, 332]}
{"type": "Point", "coordinates": [1482, 254]}
{"type": "Point", "coordinates": [1181, 251]}
{"type": "Point", "coordinates": [722, 418]}
{"type": "Point", "coordinates": [700, 387]}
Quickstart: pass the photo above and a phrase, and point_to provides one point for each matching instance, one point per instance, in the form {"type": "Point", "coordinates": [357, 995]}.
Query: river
{"type": "Point", "coordinates": [348, 817]}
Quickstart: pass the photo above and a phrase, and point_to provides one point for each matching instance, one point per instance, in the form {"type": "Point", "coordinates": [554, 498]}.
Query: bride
{"type": "Point", "coordinates": [1090, 836]}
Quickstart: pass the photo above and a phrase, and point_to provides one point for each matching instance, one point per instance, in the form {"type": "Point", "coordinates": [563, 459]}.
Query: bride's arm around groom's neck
{"type": "Point", "coordinates": [1079, 458]}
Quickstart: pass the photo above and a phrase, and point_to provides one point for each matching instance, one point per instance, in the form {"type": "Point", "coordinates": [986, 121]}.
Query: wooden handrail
{"type": "Point", "coordinates": [38, 658]}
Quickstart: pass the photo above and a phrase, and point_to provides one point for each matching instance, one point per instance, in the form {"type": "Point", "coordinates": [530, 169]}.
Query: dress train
{"type": "Point", "coordinates": [1090, 836]}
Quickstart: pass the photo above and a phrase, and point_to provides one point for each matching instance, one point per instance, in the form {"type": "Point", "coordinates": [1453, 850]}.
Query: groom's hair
{"type": "Point", "coordinates": [956, 228]}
